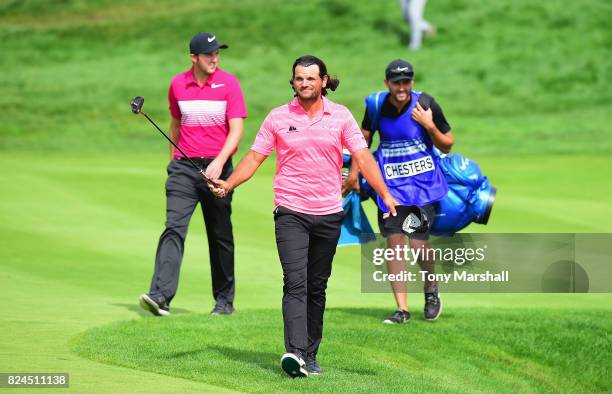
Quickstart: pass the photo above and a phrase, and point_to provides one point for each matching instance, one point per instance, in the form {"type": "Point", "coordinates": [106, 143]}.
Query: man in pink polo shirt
{"type": "Point", "coordinates": [207, 108]}
{"type": "Point", "coordinates": [308, 134]}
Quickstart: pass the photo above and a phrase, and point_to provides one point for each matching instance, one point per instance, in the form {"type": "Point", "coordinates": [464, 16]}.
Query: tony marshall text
{"type": "Point", "coordinates": [456, 276]}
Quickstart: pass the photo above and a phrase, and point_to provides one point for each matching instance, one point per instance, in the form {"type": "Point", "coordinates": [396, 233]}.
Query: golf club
{"type": "Point", "coordinates": [137, 103]}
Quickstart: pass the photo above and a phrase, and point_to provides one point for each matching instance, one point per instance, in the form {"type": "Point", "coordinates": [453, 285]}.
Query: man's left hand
{"type": "Point", "coordinates": [214, 169]}
{"type": "Point", "coordinates": [390, 202]}
{"type": "Point", "coordinates": [422, 116]}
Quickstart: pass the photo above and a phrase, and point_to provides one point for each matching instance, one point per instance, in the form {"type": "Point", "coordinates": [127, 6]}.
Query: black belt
{"type": "Point", "coordinates": [202, 161]}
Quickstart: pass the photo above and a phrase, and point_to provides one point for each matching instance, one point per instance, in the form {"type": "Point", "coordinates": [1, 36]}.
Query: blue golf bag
{"type": "Point", "coordinates": [469, 199]}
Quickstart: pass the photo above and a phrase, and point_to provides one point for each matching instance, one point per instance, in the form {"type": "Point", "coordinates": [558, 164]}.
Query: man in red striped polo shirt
{"type": "Point", "coordinates": [207, 108]}
{"type": "Point", "coordinates": [308, 134]}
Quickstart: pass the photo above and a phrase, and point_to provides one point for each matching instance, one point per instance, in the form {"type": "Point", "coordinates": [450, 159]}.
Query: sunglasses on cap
{"type": "Point", "coordinates": [400, 73]}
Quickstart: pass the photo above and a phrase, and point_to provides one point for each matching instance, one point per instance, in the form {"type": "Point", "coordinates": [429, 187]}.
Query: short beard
{"type": "Point", "coordinates": [315, 96]}
{"type": "Point", "coordinates": [408, 95]}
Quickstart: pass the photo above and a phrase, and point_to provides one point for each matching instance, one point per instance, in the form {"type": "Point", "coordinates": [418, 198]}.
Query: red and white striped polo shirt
{"type": "Point", "coordinates": [204, 111]}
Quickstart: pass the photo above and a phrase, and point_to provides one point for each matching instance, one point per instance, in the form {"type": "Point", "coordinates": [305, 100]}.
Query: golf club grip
{"type": "Point", "coordinates": [207, 179]}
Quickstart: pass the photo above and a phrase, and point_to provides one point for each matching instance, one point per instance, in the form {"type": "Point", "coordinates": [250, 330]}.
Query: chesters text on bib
{"type": "Point", "coordinates": [409, 168]}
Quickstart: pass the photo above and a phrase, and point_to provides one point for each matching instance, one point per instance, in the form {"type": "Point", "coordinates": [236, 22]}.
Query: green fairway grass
{"type": "Point", "coordinates": [78, 237]}
{"type": "Point", "coordinates": [524, 85]}
{"type": "Point", "coordinates": [470, 349]}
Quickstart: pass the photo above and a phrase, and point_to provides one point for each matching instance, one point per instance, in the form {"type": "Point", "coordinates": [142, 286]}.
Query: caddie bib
{"type": "Point", "coordinates": [407, 161]}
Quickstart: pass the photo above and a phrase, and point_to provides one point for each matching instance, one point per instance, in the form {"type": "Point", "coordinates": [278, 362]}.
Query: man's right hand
{"type": "Point", "coordinates": [220, 188]}
{"type": "Point", "coordinates": [215, 168]}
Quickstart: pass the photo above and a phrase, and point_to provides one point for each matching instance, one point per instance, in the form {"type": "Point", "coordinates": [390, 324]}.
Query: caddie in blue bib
{"type": "Point", "coordinates": [411, 125]}
{"type": "Point", "coordinates": [407, 161]}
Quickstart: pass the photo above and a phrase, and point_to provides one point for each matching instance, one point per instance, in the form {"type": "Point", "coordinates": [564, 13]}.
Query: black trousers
{"type": "Point", "coordinates": [306, 247]}
{"type": "Point", "coordinates": [184, 189]}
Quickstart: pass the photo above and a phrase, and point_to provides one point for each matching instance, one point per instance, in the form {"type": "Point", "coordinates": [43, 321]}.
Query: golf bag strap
{"type": "Point", "coordinates": [425, 100]}
{"type": "Point", "coordinates": [374, 104]}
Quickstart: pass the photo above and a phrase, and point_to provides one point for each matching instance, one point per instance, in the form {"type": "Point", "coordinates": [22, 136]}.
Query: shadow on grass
{"type": "Point", "coordinates": [357, 371]}
{"type": "Point", "coordinates": [377, 315]}
{"type": "Point", "coordinates": [271, 361]}
{"type": "Point", "coordinates": [262, 360]}
{"type": "Point", "coordinates": [137, 309]}
{"type": "Point", "coordinates": [371, 314]}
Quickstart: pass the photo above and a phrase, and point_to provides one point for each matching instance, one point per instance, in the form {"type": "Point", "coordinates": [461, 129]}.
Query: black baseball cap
{"type": "Point", "coordinates": [399, 69]}
{"type": "Point", "coordinates": [204, 43]}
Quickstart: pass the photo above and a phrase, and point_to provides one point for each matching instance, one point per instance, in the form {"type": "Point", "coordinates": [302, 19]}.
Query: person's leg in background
{"type": "Point", "coordinates": [395, 238]}
{"type": "Point", "coordinates": [433, 304]}
{"type": "Point", "coordinates": [181, 199]}
{"type": "Point", "coordinates": [416, 8]}
{"type": "Point", "coordinates": [413, 12]}
{"type": "Point", "coordinates": [395, 267]}
{"type": "Point", "coordinates": [404, 5]}
{"type": "Point", "coordinates": [217, 219]}
{"type": "Point", "coordinates": [418, 241]}
{"type": "Point", "coordinates": [426, 262]}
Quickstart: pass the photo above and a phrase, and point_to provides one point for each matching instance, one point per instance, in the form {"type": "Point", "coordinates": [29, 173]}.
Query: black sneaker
{"type": "Point", "coordinates": [312, 367]}
{"type": "Point", "coordinates": [433, 306]}
{"type": "Point", "coordinates": [157, 306]}
{"type": "Point", "coordinates": [222, 308]}
{"type": "Point", "coordinates": [293, 365]}
{"type": "Point", "coordinates": [398, 317]}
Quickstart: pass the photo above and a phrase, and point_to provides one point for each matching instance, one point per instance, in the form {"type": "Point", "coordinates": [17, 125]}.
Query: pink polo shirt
{"type": "Point", "coordinates": [309, 155]}
{"type": "Point", "coordinates": [204, 111]}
